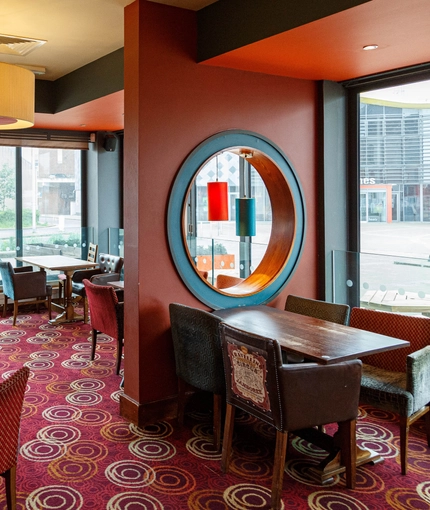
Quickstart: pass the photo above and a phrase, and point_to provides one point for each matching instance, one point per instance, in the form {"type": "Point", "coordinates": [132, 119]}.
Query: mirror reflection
{"type": "Point", "coordinates": [227, 219]}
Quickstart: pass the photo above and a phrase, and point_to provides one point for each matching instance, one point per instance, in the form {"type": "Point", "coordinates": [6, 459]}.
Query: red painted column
{"type": "Point", "coordinates": [172, 104]}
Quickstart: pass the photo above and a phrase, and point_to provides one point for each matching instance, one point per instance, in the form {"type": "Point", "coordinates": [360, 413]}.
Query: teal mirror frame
{"type": "Point", "coordinates": [201, 289]}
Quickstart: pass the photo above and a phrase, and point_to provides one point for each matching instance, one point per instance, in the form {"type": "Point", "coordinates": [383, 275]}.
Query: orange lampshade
{"type": "Point", "coordinates": [217, 201]}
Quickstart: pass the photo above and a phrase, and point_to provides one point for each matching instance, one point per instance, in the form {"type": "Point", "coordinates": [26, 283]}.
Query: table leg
{"type": "Point", "coordinates": [331, 466]}
{"type": "Point", "coordinates": [69, 313]}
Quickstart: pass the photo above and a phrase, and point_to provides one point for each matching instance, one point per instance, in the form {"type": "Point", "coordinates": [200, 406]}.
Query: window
{"type": "Point", "coordinates": [40, 202]}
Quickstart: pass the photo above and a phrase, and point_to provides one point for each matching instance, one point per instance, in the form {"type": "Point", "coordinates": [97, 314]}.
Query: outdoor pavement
{"type": "Point", "coordinates": [395, 256]}
{"type": "Point", "coordinates": [409, 239]}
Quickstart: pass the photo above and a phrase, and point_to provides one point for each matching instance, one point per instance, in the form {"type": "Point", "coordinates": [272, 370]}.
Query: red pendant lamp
{"type": "Point", "coordinates": [217, 199]}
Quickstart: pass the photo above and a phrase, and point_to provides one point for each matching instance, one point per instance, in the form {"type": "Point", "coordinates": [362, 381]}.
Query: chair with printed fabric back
{"type": "Point", "coordinates": [287, 397]}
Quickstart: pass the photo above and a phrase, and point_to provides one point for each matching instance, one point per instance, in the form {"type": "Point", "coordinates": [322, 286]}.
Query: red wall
{"type": "Point", "coordinates": [171, 105]}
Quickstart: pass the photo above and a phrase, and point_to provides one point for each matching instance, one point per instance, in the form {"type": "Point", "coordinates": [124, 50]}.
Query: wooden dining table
{"type": "Point", "coordinates": [319, 341]}
{"type": "Point", "coordinates": [68, 265]}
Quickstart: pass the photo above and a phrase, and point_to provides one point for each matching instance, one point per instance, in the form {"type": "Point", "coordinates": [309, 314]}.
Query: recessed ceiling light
{"type": "Point", "coordinates": [370, 47]}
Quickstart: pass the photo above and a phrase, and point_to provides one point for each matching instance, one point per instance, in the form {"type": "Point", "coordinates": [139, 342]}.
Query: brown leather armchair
{"type": "Point", "coordinates": [21, 269]}
{"type": "Point", "coordinates": [288, 397]}
{"type": "Point", "coordinates": [25, 285]}
{"type": "Point", "coordinates": [109, 266]}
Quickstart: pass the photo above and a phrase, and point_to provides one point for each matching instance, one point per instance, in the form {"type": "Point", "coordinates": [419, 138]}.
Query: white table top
{"type": "Point", "coordinates": [57, 262]}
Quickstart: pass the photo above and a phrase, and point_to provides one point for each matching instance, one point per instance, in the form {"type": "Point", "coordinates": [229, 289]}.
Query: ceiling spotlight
{"type": "Point", "coordinates": [370, 47]}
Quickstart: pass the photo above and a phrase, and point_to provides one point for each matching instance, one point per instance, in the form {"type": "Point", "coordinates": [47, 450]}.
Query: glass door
{"type": "Point", "coordinates": [377, 206]}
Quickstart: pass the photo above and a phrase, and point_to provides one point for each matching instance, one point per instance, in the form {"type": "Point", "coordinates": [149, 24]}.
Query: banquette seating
{"type": "Point", "coordinates": [397, 381]}
{"type": "Point", "coordinates": [287, 397]}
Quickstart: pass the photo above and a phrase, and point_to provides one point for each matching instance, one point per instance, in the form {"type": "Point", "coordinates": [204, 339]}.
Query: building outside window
{"type": "Point", "coordinates": [40, 202]}
{"type": "Point", "coordinates": [395, 198]}
{"type": "Point", "coordinates": [395, 155]}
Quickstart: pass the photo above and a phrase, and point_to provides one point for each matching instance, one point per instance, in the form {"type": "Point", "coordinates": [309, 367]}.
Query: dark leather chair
{"type": "Point", "coordinates": [397, 381]}
{"type": "Point", "coordinates": [12, 392]}
{"type": "Point", "coordinates": [24, 285]}
{"type": "Point", "coordinates": [109, 266]}
{"type": "Point", "coordinates": [287, 397]}
{"type": "Point", "coordinates": [107, 316]}
{"type": "Point", "coordinates": [198, 358]}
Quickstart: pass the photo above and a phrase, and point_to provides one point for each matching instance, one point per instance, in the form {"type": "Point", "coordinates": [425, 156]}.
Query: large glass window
{"type": "Point", "coordinates": [394, 197]}
{"type": "Point", "coordinates": [7, 202]}
{"type": "Point", "coordinates": [40, 203]}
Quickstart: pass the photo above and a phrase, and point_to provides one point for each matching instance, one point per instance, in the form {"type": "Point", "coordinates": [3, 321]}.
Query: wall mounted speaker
{"type": "Point", "coordinates": [109, 143]}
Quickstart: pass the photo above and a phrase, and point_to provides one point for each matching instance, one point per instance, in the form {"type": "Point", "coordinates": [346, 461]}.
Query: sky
{"type": "Point", "coordinates": [412, 94]}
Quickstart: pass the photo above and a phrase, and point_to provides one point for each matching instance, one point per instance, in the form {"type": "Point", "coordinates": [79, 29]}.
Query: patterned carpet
{"type": "Point", "coordinates": [78, 453]}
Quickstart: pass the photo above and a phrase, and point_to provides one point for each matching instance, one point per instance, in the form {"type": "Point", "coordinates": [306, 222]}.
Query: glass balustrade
{"type": "Point", "coordinates": [70, 241]}
{"type": "Point", "coordinates": [224, 255]}
{"type": "Point", "coordinates": [385, 282]}
{"type": "Point", "coordinates": [116, 241]}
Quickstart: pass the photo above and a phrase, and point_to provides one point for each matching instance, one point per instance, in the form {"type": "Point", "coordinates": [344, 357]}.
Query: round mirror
{"type": "Point", "coordinates": [227, 220]}
{"type": "Point", "coordinates": [247, 242]}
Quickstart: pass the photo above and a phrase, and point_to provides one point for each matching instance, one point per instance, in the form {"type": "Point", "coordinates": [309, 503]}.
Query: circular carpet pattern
{"type": "Point", "coordinates": [77, 452]}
